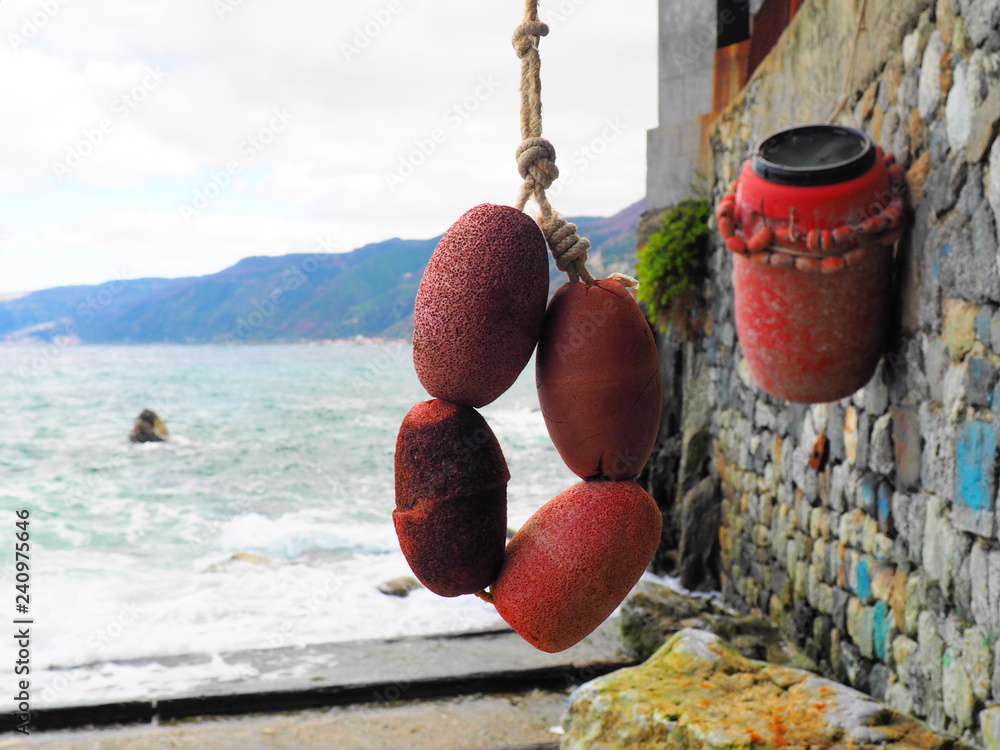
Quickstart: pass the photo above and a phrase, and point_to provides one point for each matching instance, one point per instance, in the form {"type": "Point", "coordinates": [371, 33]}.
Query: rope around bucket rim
{"type": "Point", "coordinates": [536, 156]}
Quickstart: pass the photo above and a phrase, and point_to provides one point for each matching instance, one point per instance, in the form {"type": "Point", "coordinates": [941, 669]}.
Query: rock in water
{"type": "Point", "coordinates": [598, 376]}
{"type": "Point", "coordinates": [149, 428]}
{"type": "Point", "coordinates": [401, 587]}
{"type": "Point", "coordinates": [451, 498]}
{"type": "Point", "coordinates": [574, 560]}
{"type": "Point", "coordinates": [480, 305]}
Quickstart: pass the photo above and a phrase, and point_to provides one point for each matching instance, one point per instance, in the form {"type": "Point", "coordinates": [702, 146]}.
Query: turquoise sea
{"type": "Point", "coordinates": [265, 523]}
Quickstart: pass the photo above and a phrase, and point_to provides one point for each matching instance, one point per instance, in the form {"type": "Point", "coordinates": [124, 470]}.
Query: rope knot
{"type": "Point", "coordinates": [536, 160]}
{"type": "Point", "coordinates": [526, 36]}
{"type": "Point", "coordinates": [567, 247]}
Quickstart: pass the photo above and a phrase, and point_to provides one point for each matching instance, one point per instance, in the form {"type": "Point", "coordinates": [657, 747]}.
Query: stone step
{"type": "Point", "coordinates": [359, 672]}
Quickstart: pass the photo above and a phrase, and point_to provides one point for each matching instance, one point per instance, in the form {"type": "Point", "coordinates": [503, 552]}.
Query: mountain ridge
{"type": "Point", "coordinates": [366, 292]}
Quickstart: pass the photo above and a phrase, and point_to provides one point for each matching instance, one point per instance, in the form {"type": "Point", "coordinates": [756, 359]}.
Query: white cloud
{"type": "Point", "coordinates": [414, 95]}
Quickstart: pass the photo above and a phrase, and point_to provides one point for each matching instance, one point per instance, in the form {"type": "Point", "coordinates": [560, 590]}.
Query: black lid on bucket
{"type": "Point", "coordinates": [813, 155]}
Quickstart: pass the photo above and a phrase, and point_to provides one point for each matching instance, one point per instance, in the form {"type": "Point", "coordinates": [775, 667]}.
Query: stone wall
{"type": "Point", "coordinates": [884, 564]}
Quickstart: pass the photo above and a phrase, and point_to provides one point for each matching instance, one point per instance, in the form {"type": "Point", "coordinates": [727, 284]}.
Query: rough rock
{"type": "Point", "coordinates": [701, 516]}
{"type": "Point", "coordinates": [401, 587]}
{"type": "Point", "coordinates": [930, 77]}
{"type": "Point", "coordinates": [653, 613]}
{"type": "Point", "coordinates": [981, 17]}
{"type": "Point", "coordinates": [993, 184]}
{"type": "Point", "coordinates": [149, 428]}
{"type": "Point", "coordinates": [697, 692]}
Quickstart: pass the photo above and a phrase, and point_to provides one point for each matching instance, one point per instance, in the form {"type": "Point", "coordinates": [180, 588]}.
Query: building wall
{"type": "Point", "coordinates": [885, 564]}
{"type": "Point", "coordinates": [686, 62]}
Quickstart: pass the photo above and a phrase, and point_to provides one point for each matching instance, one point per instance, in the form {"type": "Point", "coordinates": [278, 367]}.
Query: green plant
{"type": "Point", "coordinates": [670, 262]}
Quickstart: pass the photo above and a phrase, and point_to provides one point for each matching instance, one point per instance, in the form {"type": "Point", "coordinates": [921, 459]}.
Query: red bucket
{"type": "Point", "coordinates": [812, 222]}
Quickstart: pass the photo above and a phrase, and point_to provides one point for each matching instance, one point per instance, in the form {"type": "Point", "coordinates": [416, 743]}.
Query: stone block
{"type": "Point", "coordinates": [929, 92]}
{"type": "Point", "coordinates": [945, 548]}
{"type": "Point", "coordinates": [879, 682]}
{"type": "Point", "coordinates": [943, 185]}
{"type": "Point", "coordinates": [959, 331]}
{"type": "Point", "coordinates": [962, 102]}
{"type": "Point", "coordinates": [977, 657]}
{"type": "Point", "coordinates": [883, 458]}
{"type": "Point", "coordinates": [981, 18]}
{"type": "Point", "coordinates": [931, 651]}
{"type": "Point", "coordinates": [851, 435]}
{"type": "Point", "coordinates": [881, 629]}
{"type": "Point", "coordinates": [984, 325]}
{"type": "Point", "coordinates": [995, 333]}
{"type": "Point", "coordinates": [982, 610]}
{"type": "Point", "coordinates": [980, 379]}
{"type": "Point", "coordinates": [985, 287]}
{"type": "Point", "coordinates": [876, 392]}
{"type": "Point", "coordinates": [994, 594]}
{"type": "Point", "coordinates": [975, 478]}
{"type": "Point", "coordinates": [841, 599]}
{"type": "Point", "coordinates": [972, 192]}
{"type": "Point", "coordinates": [903, 651]}
{"type": "Point", "coordinates": [959, 700]}
{"type": "Point", "coordinates": [915, 527]}
{"type": "Point", "coordinates": [916, 596]}
{"type": "Point", "coordinates": [993, 183]}
{"type": "Point", "coordinates": [908, 443]}
{"type": "Point", "coordinates": [901, 516]}
{"type": "Point", "coordinates": [984, 126]}
{"type": "Point", "coordinates": [937, 465]}
{"type": "Point", "coordinates": [862, 581]}
{"type": "Point", "coordinates": [864, 452]}
{"type": "Point", "coordinates": [989, 721]}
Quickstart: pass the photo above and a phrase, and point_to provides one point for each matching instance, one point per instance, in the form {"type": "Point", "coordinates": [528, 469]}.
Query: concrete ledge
{"type": "Point", "coordinates": [372, 672]}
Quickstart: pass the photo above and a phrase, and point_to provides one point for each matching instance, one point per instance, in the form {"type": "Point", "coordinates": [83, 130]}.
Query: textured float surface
{"type": "Point", "coordinates": [451, 498]}
{"type": "Point", "coordinates": [480, 305]}
{"type": "Point", "coordinates": [812, 338]}
{"type": "Point", "coordinates": [598, 377]}
{"type": "Point", "coordinates": [574, 561]}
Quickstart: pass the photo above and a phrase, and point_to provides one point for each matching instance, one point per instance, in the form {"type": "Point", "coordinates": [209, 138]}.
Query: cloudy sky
{"type": "Point", "coordinates": [174, 137]}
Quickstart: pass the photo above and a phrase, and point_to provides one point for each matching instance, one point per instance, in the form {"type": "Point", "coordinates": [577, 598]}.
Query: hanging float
{"type": "Point", "coordinates": [479, 312]}
{"type": "Point", "coordinates": [812, 221]}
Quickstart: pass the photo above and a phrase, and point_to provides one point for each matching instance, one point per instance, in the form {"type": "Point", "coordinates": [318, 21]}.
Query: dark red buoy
{"type": "Point", "coordinates": [451, 498]}
{"type": "Point", "coordinates": [811, 224]}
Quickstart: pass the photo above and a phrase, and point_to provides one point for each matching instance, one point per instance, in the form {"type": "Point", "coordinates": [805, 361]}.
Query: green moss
{"type": "Point", "coordinates": [671, 261]}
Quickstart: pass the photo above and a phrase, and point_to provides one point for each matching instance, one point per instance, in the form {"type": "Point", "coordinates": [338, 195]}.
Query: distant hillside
{"type": "Point", "coordinates": [368, 292]}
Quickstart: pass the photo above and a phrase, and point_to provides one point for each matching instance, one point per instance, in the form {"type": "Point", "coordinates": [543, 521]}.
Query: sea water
{"type": "Point", "coordinates": [264, 523]}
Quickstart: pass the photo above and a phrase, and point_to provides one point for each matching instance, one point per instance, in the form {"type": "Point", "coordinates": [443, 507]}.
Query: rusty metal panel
{"type": "Point", "coordinates": [766, 28]}
{"type": "Point", "coordinates": [731, 73]}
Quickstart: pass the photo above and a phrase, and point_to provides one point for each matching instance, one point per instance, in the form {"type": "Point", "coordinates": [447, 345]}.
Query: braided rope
{"type": "Point", "coordinates": [536, 157]}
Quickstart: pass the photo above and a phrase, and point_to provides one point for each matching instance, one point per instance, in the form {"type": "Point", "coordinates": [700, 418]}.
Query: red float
{"type": "Point", "coordinates": [598, 378]}
{"type": "Point", "coordinates": [811, 225]}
